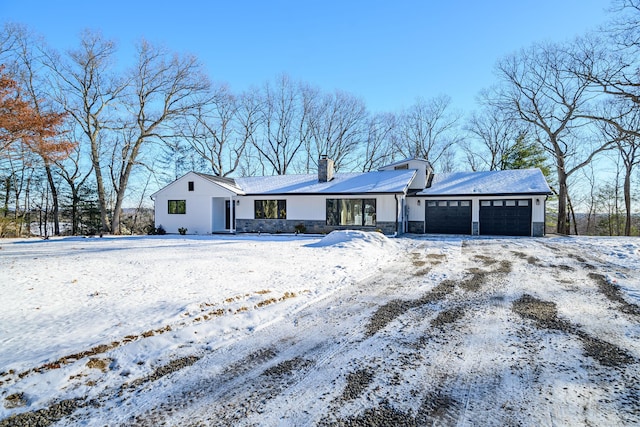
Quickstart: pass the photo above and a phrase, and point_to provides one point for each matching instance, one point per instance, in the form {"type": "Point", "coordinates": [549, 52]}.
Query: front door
{"type": "Point", "coordinates": [229, 218]}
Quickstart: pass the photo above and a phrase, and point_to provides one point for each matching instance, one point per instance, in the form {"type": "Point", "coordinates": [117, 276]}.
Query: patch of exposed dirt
{"type": "Point", "coordinates": [391, 310]}
{"type": "Point", "coordinates": [530, 259]}
{"type": "Point", "coordinates": [486, 260]}
{"type": "Point", "coordinates": [251, 361]}
{"type": "Point", "coordinates": [44, 417]}
{"type": "Point", "coordinates": [15, 400]}
{"type": "Point", "coordinates": [613, 294]}
{"type": "Point", "coordinates": [173, 366]}
{"type": "Point", "coordinates": [605, 353]}
{"type": "Point", "coordinates": [285, 368]}
{"type": "Point", "coordinates": [438, 408]}
{"type": "Point", "coordinates": [98, 363]}
{"type": "Point", "coordinates": [545, 315]}
{"type": "Point", "coordinates": [382, 416]}
{"type": "Point", "coordinates": [474, 283]}
{"type": "Point", "coordinates": [357, 383]}
{"type": "Point", "coordinates": [447, 317]}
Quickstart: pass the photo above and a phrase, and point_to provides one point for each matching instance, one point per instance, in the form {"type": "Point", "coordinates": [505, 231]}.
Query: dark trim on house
{"type": "Point", "coordinates": [361, 194]}
{"type": "Point", "coordinates": [521, 195]}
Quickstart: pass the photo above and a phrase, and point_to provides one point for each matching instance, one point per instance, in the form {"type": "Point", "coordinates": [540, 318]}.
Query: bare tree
{"type": "Point", "coordinates": [164, 89]}
{"type": "Point", "coordinates": [248, 115]}
{"type": "Point", "coordinates": [621, 124]}
{"type": "Point", "coordinates": [336, 125]}
{"type": "Point", "coordinates": [76, 176]}
{"type": "Point", "coordinates": [50, 145]}
{"type": "Point", "coordinates": [494, 132]}
{"type": "Point", "coordinates": [219, 131]}
{"type": "Point", "coordinates": [282, 122]}
{"type": "Point", "coordinates": [541, 90]}
{"type": "Point", "coordinates": [378, 147]}
{"type": "Point", "coordinates": [88, 91]}
{"type": "Point", "coordinates": [428, 129]}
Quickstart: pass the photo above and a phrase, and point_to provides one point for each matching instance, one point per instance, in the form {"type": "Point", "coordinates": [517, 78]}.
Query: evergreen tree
{"type": "Point", "coordinates": [524, 154]}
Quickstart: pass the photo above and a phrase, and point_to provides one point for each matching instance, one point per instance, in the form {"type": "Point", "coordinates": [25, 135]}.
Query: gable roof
{"type": "Point", "coordinates": [506, 182]}
{"type": "Point", "coordinates": [396, 181]}
{"type": "Point", "coordinates": [227, 183]}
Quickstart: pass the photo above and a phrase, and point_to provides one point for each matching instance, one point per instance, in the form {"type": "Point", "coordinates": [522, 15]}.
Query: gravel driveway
{"type": "Point", "coordinates": [498, 336]}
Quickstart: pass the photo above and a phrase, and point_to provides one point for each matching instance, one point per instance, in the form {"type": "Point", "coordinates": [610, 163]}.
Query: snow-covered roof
{"type": "Point", "coordinates": [396, 181]}
{"type": "Point", "coordinates": [522, 181]}
{"type": "Point", "coordinates": [228, 183]}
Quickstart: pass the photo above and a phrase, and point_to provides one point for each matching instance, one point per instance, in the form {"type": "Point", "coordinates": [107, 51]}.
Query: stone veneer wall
{"type": "Point", "coordinates": [538, 229]}
{"type": "Point", "coordinates": [416, 227]}
{"type": "Point", "coordinates": [312, 227]}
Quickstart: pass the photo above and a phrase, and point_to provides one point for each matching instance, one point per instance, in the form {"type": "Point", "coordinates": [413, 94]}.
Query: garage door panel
{"type": "Point", "coordinates": [505, 217]}
{"type": "Point", "coordinates": [448, 216]}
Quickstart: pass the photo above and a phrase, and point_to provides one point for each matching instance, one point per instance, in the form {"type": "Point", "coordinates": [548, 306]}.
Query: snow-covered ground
{"type": "Point", "coordinates": [300, 330]}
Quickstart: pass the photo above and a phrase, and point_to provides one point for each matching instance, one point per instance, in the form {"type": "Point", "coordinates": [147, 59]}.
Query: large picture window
{"type": "Point", "coordinates": [177, 206]}
{"type": "Point", "coordinates": [359, 212]}
{"type": "Point", "coordinates": [270, 209]}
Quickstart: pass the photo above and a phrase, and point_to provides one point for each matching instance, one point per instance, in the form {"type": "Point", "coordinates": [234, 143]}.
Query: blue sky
{"type": "Point", "coordinates": [387, 52]}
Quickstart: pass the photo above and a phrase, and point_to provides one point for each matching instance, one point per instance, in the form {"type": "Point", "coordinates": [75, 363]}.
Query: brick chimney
{"type": "Point", "coordinates": [325, 169]}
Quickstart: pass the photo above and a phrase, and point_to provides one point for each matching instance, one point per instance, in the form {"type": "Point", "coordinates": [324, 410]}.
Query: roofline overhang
{"type": "Point", "coordinates": [483, 194]}
{"type": "Point", "coordinates": [329, 194]}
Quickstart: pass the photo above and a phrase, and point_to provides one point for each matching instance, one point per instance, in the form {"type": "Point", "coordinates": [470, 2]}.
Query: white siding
{"type": "Point", "coordinates": [199, 218]}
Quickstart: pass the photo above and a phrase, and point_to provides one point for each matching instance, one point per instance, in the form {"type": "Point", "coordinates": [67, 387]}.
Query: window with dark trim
{"type": "Point", "coordinates": [358, 212]}
{"type": "Point", "coordinates": [270, 209]}
{"type": "Point", "coordinates": [190, 185]}
{"type": "Point", "coordinates": [177, 206]}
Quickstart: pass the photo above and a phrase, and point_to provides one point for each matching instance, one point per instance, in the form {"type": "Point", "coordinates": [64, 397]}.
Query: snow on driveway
{"type": "Point", "coordinates": [353, 328]}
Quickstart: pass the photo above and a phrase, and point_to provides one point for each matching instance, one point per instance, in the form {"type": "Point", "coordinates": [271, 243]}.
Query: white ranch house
{"type": "Point", "coordinates": [404, 197]}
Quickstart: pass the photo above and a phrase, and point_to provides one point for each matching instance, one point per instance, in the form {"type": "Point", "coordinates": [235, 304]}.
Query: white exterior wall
{"type": "Point", "coordinates": [538, 213]}
{"type": "Point", "coordinates": [416, 213]}
{"type": "Point", "coordinates": [199, 218]}
{"type": "Point", "coordinates": [420, 180]}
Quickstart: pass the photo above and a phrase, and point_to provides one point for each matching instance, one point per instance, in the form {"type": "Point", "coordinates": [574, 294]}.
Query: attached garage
{"type": "Point", "coordinates": [448, 216]}
{"type": "Point", "coordinates": [500, 203]}
{"type": "Point", "coordinates": [505, 217]}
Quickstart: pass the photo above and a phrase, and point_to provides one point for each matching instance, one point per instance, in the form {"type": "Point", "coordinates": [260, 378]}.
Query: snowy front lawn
{"type": "Point", "coordinates": [299, 330]}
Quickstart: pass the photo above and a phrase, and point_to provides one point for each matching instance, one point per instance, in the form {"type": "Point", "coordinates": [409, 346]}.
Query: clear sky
{"type": "Point", "coordinates": [387, 52]}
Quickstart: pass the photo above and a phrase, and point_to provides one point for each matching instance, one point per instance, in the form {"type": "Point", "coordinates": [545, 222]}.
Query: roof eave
{"type": "Point", "coordinates": [541, 193]}
{"type": "Point", "coordinates": [333, 193]}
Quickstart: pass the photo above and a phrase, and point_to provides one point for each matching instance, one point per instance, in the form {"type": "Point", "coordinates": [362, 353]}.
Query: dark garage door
{"type": "Point", "coordinates": [505, 217]}
{"type": "Point", "coordinates": [448, 216]}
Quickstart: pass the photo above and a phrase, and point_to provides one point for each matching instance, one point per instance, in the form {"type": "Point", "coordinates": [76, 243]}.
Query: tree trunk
{"type": "Point", "coordinates": [563, 223]}
{"type": "Point", "coordinates": [75, 199]}
{"type": "Point", "coordinates": [573, 216]}
{"type": "Point", "coordinates": [55, 210]}
{"type": "Point", "coordinates": [102, 199]}
{"type": "Point", "coordinates": [7, 196]}
{"type": "Point", "coordinates": [122, 185]}
{"type": "Point", "coordinates": [627, 201]}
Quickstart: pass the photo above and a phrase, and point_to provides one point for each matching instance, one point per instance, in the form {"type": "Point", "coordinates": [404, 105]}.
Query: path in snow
{"type": "Point", "coordinates": [477, 331]}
